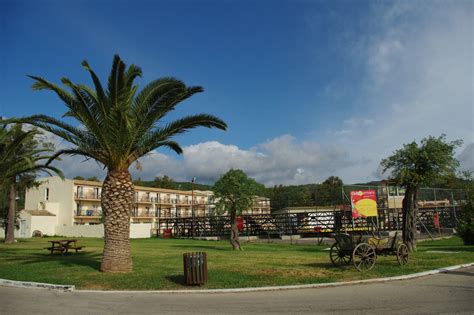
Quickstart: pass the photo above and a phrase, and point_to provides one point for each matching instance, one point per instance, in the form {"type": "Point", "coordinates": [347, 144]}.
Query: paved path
{"type": "Point", "coordinates": [451, 292]}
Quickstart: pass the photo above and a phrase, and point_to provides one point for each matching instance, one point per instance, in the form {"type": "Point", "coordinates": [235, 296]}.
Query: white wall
{"type": "Point", "coordinates": [61, 199]}
{"type": "Point", "coordinates": [2, 233]}
{"type": "Point", "coordinates": [44, 224]}
{"type": "Point", "coordinates": [81, 230]}
{"type": "Point", "coordinates": [139, 230]}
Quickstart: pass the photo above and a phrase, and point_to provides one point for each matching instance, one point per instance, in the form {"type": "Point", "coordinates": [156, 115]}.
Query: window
{"type": "Point", "coordinates": [80, 191]}
{"type": "Point", "coordinates": [392, 191]}
{"type": "Point", "coordinates": [401, 191]}
{"type": "Point", "coordinates": [46, 194]}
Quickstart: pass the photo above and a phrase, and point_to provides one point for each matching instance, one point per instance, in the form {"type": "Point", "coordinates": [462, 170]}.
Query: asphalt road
{"type": "Point", "coordinates": [447, 293]}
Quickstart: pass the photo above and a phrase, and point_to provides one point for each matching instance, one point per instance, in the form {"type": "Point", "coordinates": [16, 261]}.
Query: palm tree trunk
{"type": "Point", "coordinates": [409, 218]}
{"type": "Point", "coordinates": [10, 235]}
{"type": "Point", "coordinates": [117, 205]}
{"type": "Point", "coordinates": [234, 231]}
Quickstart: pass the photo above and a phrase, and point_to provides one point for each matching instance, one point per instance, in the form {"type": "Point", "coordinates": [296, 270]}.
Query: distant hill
{"type": "Point", "coordinates": [173, 185]}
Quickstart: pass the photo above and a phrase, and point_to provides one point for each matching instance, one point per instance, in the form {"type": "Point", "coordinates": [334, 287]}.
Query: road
{"type": "Point", "coordinates": [451, 292]}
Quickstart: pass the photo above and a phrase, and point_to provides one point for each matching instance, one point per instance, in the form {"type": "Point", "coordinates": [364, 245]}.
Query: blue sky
{"type": "Point", "coordinates": [309, 89]}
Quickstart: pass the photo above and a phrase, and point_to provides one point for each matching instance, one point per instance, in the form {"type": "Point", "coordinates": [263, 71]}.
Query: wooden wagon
{"type": "Point", "coordinates": [362, 251]}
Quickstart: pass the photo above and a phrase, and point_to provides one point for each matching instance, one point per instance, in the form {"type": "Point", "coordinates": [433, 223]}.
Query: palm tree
{"type": "Point", "coordinates": [20, 158]}
{"type": "Point", "coordinates": [119, 125]}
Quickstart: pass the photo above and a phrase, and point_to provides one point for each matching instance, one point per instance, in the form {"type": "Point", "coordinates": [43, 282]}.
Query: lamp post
{"type": "Point", "coordinates": [192, 206]}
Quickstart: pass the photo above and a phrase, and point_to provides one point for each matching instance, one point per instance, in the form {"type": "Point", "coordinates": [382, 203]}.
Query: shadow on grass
{"type": "Point", "coordinates": [326, 265]}
{"type": "Point", "coordinates": [178, 279]}
{"type": "Point", "coordinates": [207, 247]}
{"type": "Point", "coordinates": [313, 249]}
{"type": "Point", "coordinates": [446, 248]}
{"type": "Point", "coordinates": [85, 259]}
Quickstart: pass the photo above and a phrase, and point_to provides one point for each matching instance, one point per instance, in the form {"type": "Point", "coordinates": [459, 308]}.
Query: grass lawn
{"type": "Point", "coordinates": [158, 264]}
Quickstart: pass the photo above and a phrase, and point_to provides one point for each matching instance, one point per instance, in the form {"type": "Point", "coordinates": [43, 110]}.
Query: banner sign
{"type": "Point", "coordinates": [364, 203]}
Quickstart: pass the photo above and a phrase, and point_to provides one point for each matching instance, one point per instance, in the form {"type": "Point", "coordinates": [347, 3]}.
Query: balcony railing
{"type": "Point", "coordinates": [88, 213]}
{"type": "Point", "coordinates": [145, 199]}
{"type": "Point", "coordinates": [143, 214]}
{"type": "Point", "coordinates": [89, 196]}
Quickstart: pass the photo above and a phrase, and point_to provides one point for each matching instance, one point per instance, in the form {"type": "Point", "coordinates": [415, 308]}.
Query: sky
{"type": "Point", "coordinates": [309, 89]}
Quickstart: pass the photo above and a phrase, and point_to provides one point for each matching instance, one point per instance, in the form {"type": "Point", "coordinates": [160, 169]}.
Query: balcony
{"type": "Point", "coordinates": [144, 214]}
{"type": "Point", "coordinates": [144, 199]}
{"type": "Point", "coordinates": [184, 203]}
{"type": "Point", "coordinates": [86, 196]}
{"type": "Point", "coordinates": [88, 213]}
{"type": "Point", "coordinates": [164, 201]}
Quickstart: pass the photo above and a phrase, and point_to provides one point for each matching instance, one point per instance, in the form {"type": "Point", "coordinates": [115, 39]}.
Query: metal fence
{"type": "Point", "coordinates": [445, 203]}
{"type": "Point", "coordinates": [316, 223]}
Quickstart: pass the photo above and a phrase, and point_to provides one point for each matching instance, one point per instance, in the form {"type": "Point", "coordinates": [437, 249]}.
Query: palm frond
{"type": "Point", "coordinates": [190, 122]}
{"type": "Point", "coordinates": [121, 124]}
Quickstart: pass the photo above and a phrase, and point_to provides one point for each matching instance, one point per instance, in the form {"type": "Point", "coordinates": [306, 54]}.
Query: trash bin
{"type": "Point", "coordinates": [167, 233]}
{"type": "Point", "coordinates": [195, 268]}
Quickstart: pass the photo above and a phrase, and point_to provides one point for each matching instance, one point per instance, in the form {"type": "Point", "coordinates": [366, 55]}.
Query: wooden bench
{"type": "Point", "coordinates": [55, 249]}
{"type": "Point", "coordinates": [77, 248]}
{"type": "Point", "coordinates": [63, 246]}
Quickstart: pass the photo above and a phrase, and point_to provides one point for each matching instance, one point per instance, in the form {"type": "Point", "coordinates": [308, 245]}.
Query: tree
{"type": "Point", "coordinates": [21, 157]}
{"type": "Point", "coordinates": [119, 125]}
{"type": "Point", "coordinates": [234, 192]}
{"type": "Point", "coordinates": [414, 165]}
{"type": "Point", "coordinates": [138, 182]}
{"type": "Point", "coordinates": [329, 192]}
{"type": "Point", "coordinates": [466, 223]}
{"type": "Point", "coordinates": [23, 183]}
{"type": "Point", "coordinates": [93, 179]}
{"type": "Point", "coordinates": [289, 196]}
{"type": "Point", "coordinates": [79, 178]}
{"type": "Point", "coordinates": [164, 182]}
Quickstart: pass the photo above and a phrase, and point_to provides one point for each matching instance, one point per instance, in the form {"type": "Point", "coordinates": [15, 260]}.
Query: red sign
{"type": "Point", "coordinates": [240, 223]}
{"type": "Point", "coordinates": [364, 203]}
{"type": "Point", "coordinates": [436, 220]}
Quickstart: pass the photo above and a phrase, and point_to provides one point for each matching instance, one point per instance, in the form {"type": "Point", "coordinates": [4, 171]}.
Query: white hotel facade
{"type": "Point", "coordinates": [73, 208]}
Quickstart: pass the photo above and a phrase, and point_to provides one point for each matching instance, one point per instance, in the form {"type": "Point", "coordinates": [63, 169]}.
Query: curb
{"type": "Point", "coordinates": [70, 288]}
{"type": "Point", "coordinates": [36, 285]}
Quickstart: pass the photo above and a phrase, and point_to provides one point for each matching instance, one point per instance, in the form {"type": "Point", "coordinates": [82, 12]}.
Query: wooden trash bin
{"type": "Point", "coordinates": [195, 268]}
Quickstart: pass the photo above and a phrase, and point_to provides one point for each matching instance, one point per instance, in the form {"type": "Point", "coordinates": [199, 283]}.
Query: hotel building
{"type": "Point", "coordinates": [69, 203]}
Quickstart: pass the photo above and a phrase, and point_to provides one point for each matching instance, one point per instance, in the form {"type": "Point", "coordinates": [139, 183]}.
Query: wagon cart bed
{"type": "Point", "coordinates": [362, 252]}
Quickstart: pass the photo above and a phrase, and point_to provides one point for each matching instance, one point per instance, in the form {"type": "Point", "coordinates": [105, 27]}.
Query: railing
{"type": "Point", "coordinates": [88, 213]}
{"type": "Point", "coordinates": [306, 224]}
{"type": "Point", "coordinates": [143, 215]}
{"type": "Point", "coordinates": [90, 196]}
{"type": "Point", "coordinates": [144, 199]}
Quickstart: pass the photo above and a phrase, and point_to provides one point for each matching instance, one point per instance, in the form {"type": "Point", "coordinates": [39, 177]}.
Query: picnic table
{"type": "Point", "coordinates": [63, 246]}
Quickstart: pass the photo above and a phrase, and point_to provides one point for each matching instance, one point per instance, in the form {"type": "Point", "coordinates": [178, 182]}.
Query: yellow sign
{"type": "Point", "coordinates": [364, 203]}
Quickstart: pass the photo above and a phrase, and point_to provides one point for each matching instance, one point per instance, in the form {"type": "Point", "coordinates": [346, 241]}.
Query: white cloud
{"type": "Point", "coordinates": [419, 63]}
{"type": "Point", "coordinates": [281, 160]}
{"type": "Point", "coordinates": [384, 54]}
{"type": "Point", "coordinates": [418, 80]}
{"type": "Point", "coordinates": [466, 158]}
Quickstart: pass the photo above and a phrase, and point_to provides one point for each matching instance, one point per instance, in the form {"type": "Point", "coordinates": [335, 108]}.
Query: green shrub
{"type": "Point", "coordinates": [466, 225]}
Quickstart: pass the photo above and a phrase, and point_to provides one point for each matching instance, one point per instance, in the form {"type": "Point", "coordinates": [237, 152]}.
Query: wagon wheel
{"type": "Point", "coordinates": [337, 256]}
{"type": "Point", "coordinates": [402, 254]}
{"type": "Point", "coordinates": [363, 257]}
